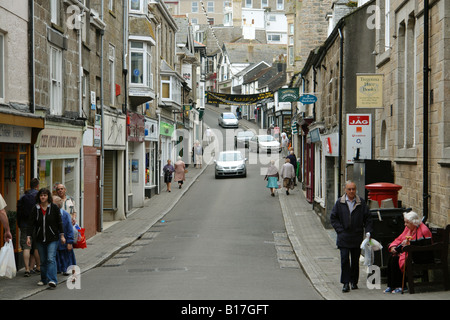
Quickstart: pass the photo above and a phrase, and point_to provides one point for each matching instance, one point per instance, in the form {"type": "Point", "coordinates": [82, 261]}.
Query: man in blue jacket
{"type": "Point", "coordinates": [351, 218]}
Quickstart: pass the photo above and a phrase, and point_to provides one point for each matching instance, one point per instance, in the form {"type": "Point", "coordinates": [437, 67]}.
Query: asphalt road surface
{"type": "Point", "coordinates": [225, 239]}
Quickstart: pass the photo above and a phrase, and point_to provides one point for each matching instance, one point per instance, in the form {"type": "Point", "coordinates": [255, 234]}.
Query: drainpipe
{"type": "Point", "coordinates": [102, 159]}
{"type": "Point", "coordinates": [33, 64]}
{"type": "Point", "coordinates": [80, 112]}
{"type": "Point", "coordinates": [425, 110]}
{"type": "Point", "coordinates": [341, 79]}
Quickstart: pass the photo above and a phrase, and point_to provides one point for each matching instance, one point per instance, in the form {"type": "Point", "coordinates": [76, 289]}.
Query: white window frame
{"type": "Point", "coordinates": [210, 7]}
{"type": "Point", "coordinates": [142, 6]}
{"type": "Point", "coordinates": [280, 4]}
{"type": "Point", "coordinates": [264, 3]}
{"type": "Point", "coordinates": [145, 51]}
{"type": "Point", "coordinates": [387, 11]}
{"type": "Point", "coordinates": [55, 68]}
{"type": "Point", "coordinates": [248, 4]}
{"type": "Point", "coordinates": [55, 11]}
{"type": "Point", "coordinates": [112, 73]}
{"type": "Point", "coordinates": [174, 89]}
{"type": "Point", "coordinates": [194, 7]}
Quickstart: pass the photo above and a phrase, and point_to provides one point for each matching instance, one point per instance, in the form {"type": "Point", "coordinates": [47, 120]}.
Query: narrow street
{"type": "Point", "coordinates": [225, 239]}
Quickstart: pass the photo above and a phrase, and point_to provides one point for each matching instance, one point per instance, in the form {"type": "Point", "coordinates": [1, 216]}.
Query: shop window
{"type": "Point", "coordinates": [55, 171]}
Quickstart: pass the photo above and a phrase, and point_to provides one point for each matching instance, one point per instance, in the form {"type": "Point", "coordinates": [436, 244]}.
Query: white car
{"type": "Point", "coordinates": [230, 163]}
{"type": "Point", "coordinates": [264, 143]}
{"type": "Point", "coordinates": [228, 120]}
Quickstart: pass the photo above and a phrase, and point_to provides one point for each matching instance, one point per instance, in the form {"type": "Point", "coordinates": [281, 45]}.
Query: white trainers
{"type": "Point", "coordinates": [40, 283]}
{"type": "Point", "coordinates": [51, 284]}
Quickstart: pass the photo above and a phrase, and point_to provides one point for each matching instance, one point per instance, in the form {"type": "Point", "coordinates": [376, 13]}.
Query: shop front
{"type": "Point", "coordinates": [114, 128]}
{"type": "Point", "coordinates": [17, 138]}
{"type": "Point", "coordinates": [136, 164]}
{"type": "Point", "coordinates": [151, 157]}
{"type": "Point", "coordinates": [58, 161]}
{"type": "Point", "coordinates": [166, 131]}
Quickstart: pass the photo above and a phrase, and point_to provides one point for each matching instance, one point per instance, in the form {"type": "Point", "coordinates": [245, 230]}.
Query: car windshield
{"type": "Point", "coordinates": [266, 138]}
{"type": "Point", "coordinates": [245, 134]}
{"type": "Point", "coordinates": [228, 116]}
{"type": "Point", "coordinates": [232, 156]}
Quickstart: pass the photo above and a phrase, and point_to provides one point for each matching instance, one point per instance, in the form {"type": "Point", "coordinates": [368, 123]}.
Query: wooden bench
{"type": "Point", "coordinates": [438, 260]}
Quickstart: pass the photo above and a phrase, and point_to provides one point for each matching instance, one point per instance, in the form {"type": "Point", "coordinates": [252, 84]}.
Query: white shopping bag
{"type": "Point", "coordinates": [7, 261]}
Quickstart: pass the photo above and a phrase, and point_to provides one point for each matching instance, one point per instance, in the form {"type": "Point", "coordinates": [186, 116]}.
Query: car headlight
{"type": "Point", "coordinates": [242, 166]}
{"type": "Point", "coordinates": [219, 167]}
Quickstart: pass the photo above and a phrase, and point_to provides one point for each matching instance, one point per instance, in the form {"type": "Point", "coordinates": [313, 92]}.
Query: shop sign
{"type": "Point", "coordinates": [54, 141]}
{"type": "Point", "coordinates": [98, 131]}
{"type": "Point", "coordinates": [166, 129]}
{"type": "Point", "coordinates": [114, 131]}
{"type": "Point", "coordinates": [135, 127]}
{"type": "Point", "coordinates": [330, 144]}
{"type": "Point", "coordinates": [151, 130]}
{"type": "Point", "coordinates": [287, 94]}
{"type": "Point", "coordinates": [308, 99]}
{"type": "Point", "coordinates": [369, 91]}
{"type": "Point", "coordinates": [359, 137]}
{"type": "Point", "coordinates": [314, 135]}
{"type": "Point", "coordinates": [14, 134]}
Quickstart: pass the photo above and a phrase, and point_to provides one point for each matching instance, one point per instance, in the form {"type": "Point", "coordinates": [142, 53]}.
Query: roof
{"type": "Point", "coordinates": [253, 52]}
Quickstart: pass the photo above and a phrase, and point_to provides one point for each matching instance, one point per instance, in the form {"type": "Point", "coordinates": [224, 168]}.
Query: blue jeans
{"type": "Point", "coordinates": [47, 255]}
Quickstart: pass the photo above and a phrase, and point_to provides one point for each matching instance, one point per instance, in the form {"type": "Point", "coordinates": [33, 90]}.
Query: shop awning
{"type": "Point", "coordinates": [29, 120]}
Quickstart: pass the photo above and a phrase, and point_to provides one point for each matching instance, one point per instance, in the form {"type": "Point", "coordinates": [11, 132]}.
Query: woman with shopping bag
{"type": "Point", "coordinates": [46, 221]}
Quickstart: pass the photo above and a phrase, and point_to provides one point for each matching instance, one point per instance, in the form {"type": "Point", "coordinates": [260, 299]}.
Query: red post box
{"type": "Point", "coordinates": [383, 190]}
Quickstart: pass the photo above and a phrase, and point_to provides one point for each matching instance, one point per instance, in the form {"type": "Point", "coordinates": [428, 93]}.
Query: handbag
{"type": "Point", "coordinates": [81, 240]}
{"type": "Point", "coordinates": [7, 261]}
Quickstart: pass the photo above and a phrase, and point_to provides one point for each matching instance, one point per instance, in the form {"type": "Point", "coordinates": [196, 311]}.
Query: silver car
{"type": "Point", "coordinates": [230, 163]}
{"type": "Point", "coordinates": [264, 143]}
{"type": "Point", "coordinates": [228, 120]}
{"type": "Point", "coordinates": [242, 138]}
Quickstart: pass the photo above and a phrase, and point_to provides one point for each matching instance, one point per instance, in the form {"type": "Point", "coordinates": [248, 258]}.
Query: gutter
{"type": "Point", "coordinates": [425, 109]}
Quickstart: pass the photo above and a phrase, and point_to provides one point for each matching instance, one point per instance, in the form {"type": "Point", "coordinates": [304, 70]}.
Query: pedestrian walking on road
{"type": "Point", "coordinates": [288, 175]}
{"type": "Point", "coordinates": [284, 144]}
{"type": "Point", "coordinates": [46, 222]}
{"type": "Point", "coordinates": [65, 255]}
{"type": "Point", "coordinates": [208, 133]}
{"type": "Point", "coordinates": [168, 170]}
{"type": "Point", "coordinates": [24, 207]}
{"type": "Point", "coordinates": [272, 177]}
{"type": "Point", "coordinates": [68, 203]}
{"type": "Point", "coordinates": [293, 160]}
{"type": "Point", "coordinates": [198, 151]}
{"type": "Point", "coordinates": [180, 172]}
{"type": "Point", "coordinates": [351, 219]}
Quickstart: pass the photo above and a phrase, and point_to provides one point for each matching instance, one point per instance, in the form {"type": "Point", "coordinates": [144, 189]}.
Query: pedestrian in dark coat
{"type": "Point", "coordinates": [351, 219]}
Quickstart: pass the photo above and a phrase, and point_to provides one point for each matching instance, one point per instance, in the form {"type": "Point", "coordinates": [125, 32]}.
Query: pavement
{"type": "Point", "coordinates": [313, 245]}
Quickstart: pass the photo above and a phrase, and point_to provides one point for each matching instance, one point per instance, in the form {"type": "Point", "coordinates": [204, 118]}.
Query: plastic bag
{"type": "Point", "coordinates": [81, 240]}
{"type": "Point", "coordinates": [7, 261]}
{"type": "Point", "coordinates": [370, 246]}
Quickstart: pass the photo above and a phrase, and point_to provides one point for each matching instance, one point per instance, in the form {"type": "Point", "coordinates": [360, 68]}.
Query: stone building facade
{"type": "Point", "coordinates": [399, 125]}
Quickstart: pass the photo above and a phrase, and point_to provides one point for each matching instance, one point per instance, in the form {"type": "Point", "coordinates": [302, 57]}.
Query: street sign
{"type": "Point", "coordinates": [308, 99]}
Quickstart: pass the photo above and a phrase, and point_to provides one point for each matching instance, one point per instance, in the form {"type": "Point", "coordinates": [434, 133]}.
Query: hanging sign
{"type": "Point", "coordinates": [369, 91]}
{"type": "Point", "coordinates": [308, 99]}
{"type": "Point", "coordinates": [287, 94]}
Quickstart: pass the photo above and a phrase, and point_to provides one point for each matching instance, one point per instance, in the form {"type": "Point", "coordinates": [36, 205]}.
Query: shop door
{"type": "Point", "coordinates": [15, 179]}
{"type": "Point", "coordinates": [309, 172]}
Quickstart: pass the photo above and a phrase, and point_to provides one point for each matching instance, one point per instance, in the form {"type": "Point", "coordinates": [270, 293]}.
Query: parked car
{"type": "Point", "coordinates": [228, 120]}
{"type": "Point", "coordinates": [264, 143]}
{"type": "Point", "coordinates": [230, 163]}
{"type": "Point", "coordinates": [242, 138]}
